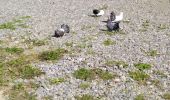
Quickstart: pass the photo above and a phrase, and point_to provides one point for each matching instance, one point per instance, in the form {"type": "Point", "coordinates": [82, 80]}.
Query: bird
{"type": "Point", "coordinates": [59, 33]}
{"type": "Point", "coordinates": [118, 17]}
{"type": "Point", "coordinates": [98, 13]}
{"type": "Point", "coordinates": [66, 28]}
{"type": "Point", "coordinates": [112, 26]}
{"type": "Point", "coordinates": [112, 16]}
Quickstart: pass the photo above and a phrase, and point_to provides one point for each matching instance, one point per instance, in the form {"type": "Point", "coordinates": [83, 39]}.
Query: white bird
{"type": "Point", "coordinates": [119, 17]}
{"type": "Point", "coordinates": [98, 12]}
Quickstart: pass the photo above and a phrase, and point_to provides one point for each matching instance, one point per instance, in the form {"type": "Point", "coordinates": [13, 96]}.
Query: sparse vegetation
{"type": "Point", "coordinates": [84, 74]}
{"type": "Point", "coordinates": [18, 68]}
{"type": "Point", "coordinates": [85, 97]}
{"type": "Point", "coordinates": [162, 26]}
{"type": "Point", "coordinates": [56, 81]}
{"type": "Point", "coordinates": [69, 44]}
{"type": "Point", "coordinates": [105, 75]}
{"type": "Point", "coordinates": [152, 53]}
{"type": "Point", "coordinates": [84, 85]}
{"type": "Point", "coordinates": [53, 55]}
{"type": "Point", "coordinates": [166, 96]}
{"type": "Point", "coordinates": [12, 25]}
{"type": "Point", "coordinates": [116, 63]}
{"type": "Point", "coordinates": [39, 42]}
{"type": "Point", "coordinates": [19, 92]}
{"type": "Point", "coordinates": [89, 74]}
{"type": "Point", "coordinates": [145, 26]}
{"type": "Point", "coordinates": [139, 76]}
{"type": "Point", "coordinates": [14, 50]}
{"type": "Point", "coordinates": [139, 97]}
{"type": "Point", "coordinates": [108, 42]}
{"type": "Point", "coordinates": [142, 66]}
{"type": "Point", "coordinates": [159, 73]}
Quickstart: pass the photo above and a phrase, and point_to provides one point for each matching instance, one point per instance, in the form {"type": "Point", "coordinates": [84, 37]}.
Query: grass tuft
{"type": "Point", "coordinates": [166, 96]}
{"type": "Point", "coordinates": [84, 85]}
{"type": "Point", "coordinates": [139, 76]}
{"type": "Point", "coordinates": [108, 42]}
{"type": "Point", "coordinates": [14, 50]}
{"type": "Point", "coordinates": [85, 97]}
{"type": "Point", "coordinates": [142, 66]}
{"type": "Point", "coordinates": [84, 74]}
{"type": "Point", "coordinates": [56, 81]}
{"type": "Point", "coordinates": [52, 55]}
{"type": "Point", "coordinates": [139, 97]}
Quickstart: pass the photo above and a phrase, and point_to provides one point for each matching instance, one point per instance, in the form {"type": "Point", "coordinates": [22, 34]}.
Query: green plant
{"type": "Point", "coordinates": [56, 81]}
{"type": "Point", "coordinates": [116, 63]}
{"type": "Point", "coordinates": [108, 42]}
{"type": "Point", "coordinates": [39, 42]}
{"type": "Point", "coordinates": [84, 74]}
{"type": "Point", "coordinates": [19, 92]}
{"type": "Point", "coordinates": [166, 96]}
{"type": "Point", "coordinates": [162, 27]}
{"type": "Point", "coordinates": [105, 75]}
{"type": "Point", "coordinates": [84, 85]}
{"type": "Point", "coordinates": [12, 25]}
{"type": "Point", "coordinates": [152, 53]}
{"type": "Point", "coordinates": [85, 97]}
{"type": "Point", "coordinates": [142, 66]}
{"type": "Point", "coordinates": [29, 71]}
{"type": "Point", "coordinates": [53, 55]}
{"type": "Point", "coordinates": [139, 76]}
{"type": "Point", "coordinates": [14, 50]}
{"type": "Point", "coordinates": [69, 44]}
{"type": "Point", "coordinates": [139, 97]}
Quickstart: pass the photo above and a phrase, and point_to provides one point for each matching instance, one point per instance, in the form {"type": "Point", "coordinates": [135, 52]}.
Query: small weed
{"type": "Point", "coordinates": [52, 55]}
{"type": "Point", "coordinates": [14, 50]}
{"type": "Point", "coordinates": [142, 66]}
{"type": "Point", "coordinates": [105, 75]}
{"type": "Point", "coordinates": [48, 97]}
{"type": "Point", "coordinates": [145, 26]}
{"type": "Point", "coordinates": [84, 85]}
{"type": "Point", "coordinates": [12, 25]}
{"type": "Point", "coordinates": [116, 63]}
{"type": "Point", "coordinates": [108, 42]}
{"type": "Point", "coordinates": [162, 27]}
{"type": "Point", "coordinates": [152, 53]}
{"type": "Point", "coordinates": [19, 92]}
{"type": "Point", "coordinates": [84, 27]}
{"type": "Point", "coordinates": [69, 44]}
{"type": "Point", "coordinates": [139, 76]}
{"type": "Point", "coordinates": [39, 42]}
{"type": "Point", "coordinates": [29, 71]}
{"type": "Point", "coordinates": [56, 81]}
{"type": "Point", "coordinates": [85, 97]}
{"type": "Point", "coordinates": [139, 97]}
{"type": "Point", "coordinates": [166, 96]}
{"type": "Point", "coordinates": [89, 74]}
{"type": "Point", "coordinates": [84, 74]}
{"type": "Point", "coordinates": [159, 73]}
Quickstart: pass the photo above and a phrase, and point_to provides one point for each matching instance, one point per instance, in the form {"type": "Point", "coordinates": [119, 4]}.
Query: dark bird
{"type": "Point", "coordinates": [59, 33]}
{"type": "Point", "coordinates": [112, 26]}
{"type": "Point", "coordinates": [66, 28]}
{"type": "Point", "coordinates": [97, 12]}
{"type": "Point", "coordinates": [112, 16]}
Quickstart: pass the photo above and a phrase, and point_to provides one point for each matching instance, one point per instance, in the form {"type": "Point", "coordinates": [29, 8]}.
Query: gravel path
{"type": "Point", "coordinates": [47, 15]}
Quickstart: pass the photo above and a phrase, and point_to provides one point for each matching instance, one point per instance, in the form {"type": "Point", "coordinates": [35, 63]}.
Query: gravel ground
{"type": "Point", "coordinates": [48, 15]}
